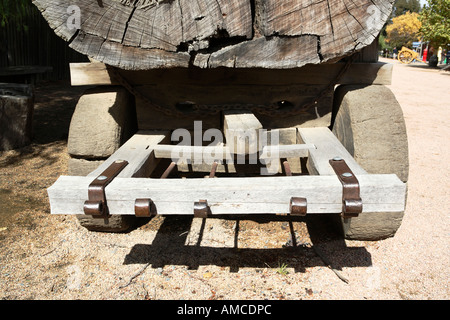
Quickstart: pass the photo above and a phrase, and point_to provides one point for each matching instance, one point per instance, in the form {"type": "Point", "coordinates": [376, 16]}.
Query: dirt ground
{"type": "Point", "coordinates": [52, 257]}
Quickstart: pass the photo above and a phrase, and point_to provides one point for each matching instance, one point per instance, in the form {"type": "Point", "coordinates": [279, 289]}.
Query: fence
{"type": "Point", "coordinates": [28, 40]}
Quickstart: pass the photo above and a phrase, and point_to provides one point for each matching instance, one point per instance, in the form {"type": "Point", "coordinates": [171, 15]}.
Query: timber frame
{"type": "Point", "coordinates": [305, 180]}
{"type": "Point", "coordinates": [321, 190]}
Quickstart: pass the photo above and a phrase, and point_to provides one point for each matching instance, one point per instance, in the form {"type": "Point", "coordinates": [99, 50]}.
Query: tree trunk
{"type": "Point", "coordinates": [16, 115]}
{"type": "Point", "coordinates": [147, 34]}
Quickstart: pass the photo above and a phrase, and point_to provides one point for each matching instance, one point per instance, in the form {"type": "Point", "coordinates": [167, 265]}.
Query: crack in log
{"type": "Point", "coordinates": [73, 37]}
{"type": "Point", "coordinates": [128, 22]}
{"type": "Point", "coordinates": [181, 16]}
{"type": "Point", "coordinates": [141, 4]}
{"type": "Point", "coordinates": [348, 11]}
{"type": "Point", "coordinates": [319, 49]}
{"type": "Point", "coordinates": [331, 20]}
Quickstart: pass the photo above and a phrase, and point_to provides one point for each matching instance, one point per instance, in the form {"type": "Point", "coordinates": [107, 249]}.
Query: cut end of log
{"type": "Point", "coordinates": [149, 34]}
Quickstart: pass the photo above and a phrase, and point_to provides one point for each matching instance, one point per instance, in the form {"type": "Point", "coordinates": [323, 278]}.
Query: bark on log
{"type": "Point", "coordinates": [146, 34]}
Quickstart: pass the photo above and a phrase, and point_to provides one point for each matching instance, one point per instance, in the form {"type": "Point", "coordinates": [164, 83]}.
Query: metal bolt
{"type": "Point", "coordinates": [337, 158]}
{"type": "Point", "coordinates": [102, 178]}
{"type": "Point", "coordinates": [347, 175]}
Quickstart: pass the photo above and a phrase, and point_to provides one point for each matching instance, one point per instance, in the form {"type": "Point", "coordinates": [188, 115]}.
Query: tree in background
{"type": "Point", "coordinates": [11, 9]}
{"type": "Point", "coordinates": [400, 8]}
{"type": "Point", "coordinates": [404, 30]}
{"type": "Point", "coordinates": [435, 19]}
{"type": "Point", "coordinates": [403, 6]}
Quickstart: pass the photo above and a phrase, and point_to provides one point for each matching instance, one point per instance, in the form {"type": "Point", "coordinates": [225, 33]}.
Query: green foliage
{"type": "Point", "coordinates": [435, 18]}
{"type": "Point", "coordinates": [403, 6]}
{"type": "Point", "coordinates": [12, 9]}
{"type": "Point", "coordinates": [382, 43]}
{"type": "Point", "coordinates": [282, 269]}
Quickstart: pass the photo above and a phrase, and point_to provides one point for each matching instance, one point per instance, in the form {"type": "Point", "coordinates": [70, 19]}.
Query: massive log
{"type": "Point", "coordinates": [148, 34]}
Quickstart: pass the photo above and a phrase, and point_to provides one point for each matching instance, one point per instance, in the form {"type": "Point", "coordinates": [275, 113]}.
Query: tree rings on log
{"type": "Point", "coordinates": [148, 34]}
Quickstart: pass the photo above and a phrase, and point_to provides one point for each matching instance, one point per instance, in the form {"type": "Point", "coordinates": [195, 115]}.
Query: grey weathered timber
{"type": "Point", "coordinates": [97, 73]}
{"type": "Point", "coordinates": [268, 195]}
{"type": "Point", "coordinates": [241, 129]}
{"type": "Point", "coordinates": [146, 34]}
{"type": "Point", "coordinates": [191, 153]}
{"type": "Point", "coordinates": [287, 151]}
{"type": "Point", "coordinates": [327, 147]}
{"type": "Point", "coordinates": [221, 152]}
{"type": "Point", "coordinates": [379, 193]}
{"type": "Point", "coordinates": [141, 162]}
{"type": "Point", "coordinates": [90, 73]}
{"type": "Point", "coordinates": [139, 152]}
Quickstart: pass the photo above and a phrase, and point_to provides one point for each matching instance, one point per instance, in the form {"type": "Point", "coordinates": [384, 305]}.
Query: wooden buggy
{"type": "Point", "coordinates": [212, 108]}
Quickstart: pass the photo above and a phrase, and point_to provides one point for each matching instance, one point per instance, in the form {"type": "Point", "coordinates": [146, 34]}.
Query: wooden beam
{"type": "Point", "coordinates": [251, 195]}
{"type": "Point", "coordinates": [205, 156]}
{"type": "Point", "coordinates": [287, 151]}
{"type": "Point", "coordinates": [96, 73]}
{"type": "Point", "coordinates": [261, 195]}
{"type": "Point", "coordinates": [241, 129]}
{"type": "Point", "coordinates": [139, 152]}
{"type": "Point", "coordinates": [327, 147]}
{"type": "Point", "coordinates": [285, 137]}
{"type": "Point", "coordinates": [192, 153]}
{"type": "Point", "coordinates": [90, 73]}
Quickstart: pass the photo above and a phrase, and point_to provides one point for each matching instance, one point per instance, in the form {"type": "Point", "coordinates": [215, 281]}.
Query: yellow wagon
{"type": "Point", "coordinates": [406, 55]}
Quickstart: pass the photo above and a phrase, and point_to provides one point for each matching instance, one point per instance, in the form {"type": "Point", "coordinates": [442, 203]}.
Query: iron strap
{"type": "Point", "coordinates": [96, 204]}
{"type": "Point", "coordinates": [351, 200]}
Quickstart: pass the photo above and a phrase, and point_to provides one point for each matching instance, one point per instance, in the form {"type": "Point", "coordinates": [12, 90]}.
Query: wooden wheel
{"type": "Point", "coordinates": [369, 123]}
{"type": "Point", "coordinates": [405, 57]}
{"type": "Point", "coordinates": [103, 120]}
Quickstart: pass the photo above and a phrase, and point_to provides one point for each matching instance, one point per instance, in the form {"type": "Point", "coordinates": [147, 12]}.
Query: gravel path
{"type": "Point", "coordinates": [52, 257]}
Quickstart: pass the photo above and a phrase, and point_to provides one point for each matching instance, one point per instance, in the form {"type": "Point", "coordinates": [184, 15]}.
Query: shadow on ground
{"type": "Point", "coordinates": [327, 248]}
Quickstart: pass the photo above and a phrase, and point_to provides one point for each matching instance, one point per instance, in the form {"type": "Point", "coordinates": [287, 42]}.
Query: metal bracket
{"type": "Point", "coordinates": [96, 205]}
{"type": "Point", "coordinates": [144, 208]}
{"type": "Point", "coordinates": [351, 200]}
{"type": "Point", "coordinates": [298, 206]}
{"type": "Point", "coordinates": [201, 209]}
